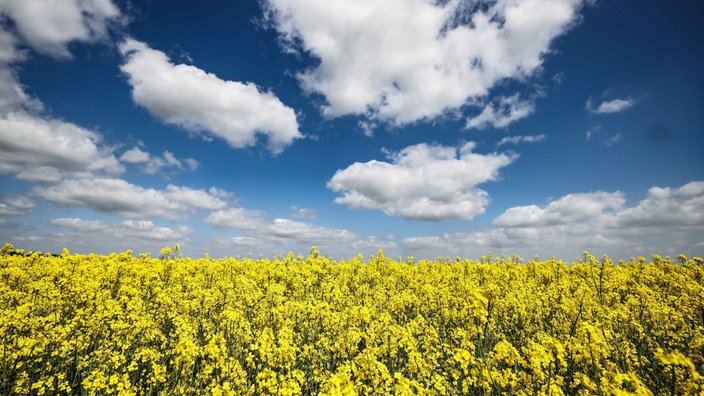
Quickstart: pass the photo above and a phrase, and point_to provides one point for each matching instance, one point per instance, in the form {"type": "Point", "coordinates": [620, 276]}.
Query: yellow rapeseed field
{"type": "Point", "coordinates": [294, 325]}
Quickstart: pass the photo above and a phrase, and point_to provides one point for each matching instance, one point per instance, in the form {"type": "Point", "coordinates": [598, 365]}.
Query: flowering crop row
{"type": "Point", "coordinates": [118, 324]}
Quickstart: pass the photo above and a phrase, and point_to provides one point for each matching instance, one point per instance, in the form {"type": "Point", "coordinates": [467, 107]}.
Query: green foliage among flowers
{"type": "Point", "coordinates": [118, 324]}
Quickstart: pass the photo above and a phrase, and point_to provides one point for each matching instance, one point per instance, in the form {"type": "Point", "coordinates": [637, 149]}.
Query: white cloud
{"type": "Point", "coordinates": [33, 147]}
{"type": "Point", "coordinates": [118, 197]}
{"type": "Point", "coordinates": [667, 219]}
{"type": "Point", "coordinates": [135, 156]}
{"type": "Point", "coordinates": [237, 218]}
{"type": "Point", "coordinates": [372, 245]}
{"type": "Point", "coordinates": [613, 140]}
{"type": "Point", "coordinates": [610, 106]}
{"type": "Point", "coordinates": [421, 182]}
{"type": "Point", "coordinates": [39, 149]}
{"type": "Point", "coordinates": [408, 60]}
{"type": "Point", "coordinates": [303, 213]}
{"type": "Point", "coordinates": [666, 207]}
{"type": "Point", "coordinates": [151, 164]}
{"type": "Point", "coordinates": [84, 236]}
{"type": "Point", "coordinates": [521, 139]}
{"type": "Point", "coordinates": [507, 111]}
{"type": "Point", "coordinates": [236, 112]}
{"type": "Point", "coordinates": [49, 26]}
{"type": "Point", "coordinates": [300, 232]}
{"type": "Point", "coordinates": [591, 131]}
{"type": "Point", "coordinates": [12, 94]}
{"type": "Point", "coordinates": [16, 205]}
{"type": "Point", "coordinates": [281, 230]}
{"type": "Point", "coordinates": [571, 208]}
{"type": "Point", "coordinates": [126, 230]}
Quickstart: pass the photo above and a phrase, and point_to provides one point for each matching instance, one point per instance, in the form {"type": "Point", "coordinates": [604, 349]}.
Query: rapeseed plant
{"type": "Point", "coordinates": [294, 325]}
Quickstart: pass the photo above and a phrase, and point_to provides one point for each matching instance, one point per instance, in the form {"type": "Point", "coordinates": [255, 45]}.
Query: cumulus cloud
{"type": "Point", "coordinates": [609, 106]}
{"type": "Point", "coordinates": [521, 139]}
{"type": "Point", "coordinates": [16, 205]}
{"type": "Point", "coordinates": [151, 164]}
{"type": "Point", "coordinates": [118, 197]}
{"type": "Point", "coordinates": [571, 208]}
{"type": "Point", "coordinates": [507, 111]}
{"type": "Point", "coordinates": [49, 26]}
{"type": "Point", "coordinates": [407, 60]}
{"type": "Point", "coordinates": [668, 220]}
{"type": "Point", "coordinates": [33, 147]}
{"type": "Point", "coordinates": [665, 207]}
{"type": "Point", "coordinates": [39, 149]}
{"type": "Point", "coordinates": [421, 182]}
{"type": "Point", "coordinates": [234, 111]}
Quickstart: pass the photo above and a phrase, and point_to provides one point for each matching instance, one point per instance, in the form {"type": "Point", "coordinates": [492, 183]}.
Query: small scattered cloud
{"type": "Point", "coordinates": [614, 140]}
{"type": "Point", "coordinates": [609, 106]}
{"type": "Point", "coordinates": [500, 115]}
{"type": "Point", "coordinates": [592, 131]}
{"type": "Point", "coordinates": [421, 182]}
{"type": "Point", "coordinates": [233, 111]}
{"type": "Point", "coordinates": [303, 213]}
{"type": "Point", "coordinates": [521, 139]}
{"type": "Point", "coordinates": [558, 78]}
{"type": "Point", "coordinates": [151, 164]}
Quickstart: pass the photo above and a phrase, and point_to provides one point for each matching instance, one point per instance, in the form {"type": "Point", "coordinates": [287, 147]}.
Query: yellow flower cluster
{"type": "Point", "coordinates": [294, 325]}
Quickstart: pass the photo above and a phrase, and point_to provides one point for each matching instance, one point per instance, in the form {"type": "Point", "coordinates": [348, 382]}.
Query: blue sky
{"type": "Point", "coordinates": [535, 127]}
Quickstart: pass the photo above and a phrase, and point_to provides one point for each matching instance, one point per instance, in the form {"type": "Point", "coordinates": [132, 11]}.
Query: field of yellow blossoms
{"type": "Point", "coordinates": [294, 325]}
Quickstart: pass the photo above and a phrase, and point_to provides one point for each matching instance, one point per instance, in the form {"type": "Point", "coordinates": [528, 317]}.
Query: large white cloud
{"type": "Point", "coordinates": [572, 208]}
{"type": "Point", "coordinates": [666, 221]}
{"type": "Point", "coordinates": [40, 149]}
{"type": "Point", "coordinates": [406, 60]}
{"type": "Point", "coordinates": [198, 101]}
{"type": "Point", "coordinates": [683, 206]}
{"type": "Point", "coordinates": [118, 197]}
{"type": "Point", "coordinates": [34, 147]}
{"type": "Point", "coordinates": [49, 26]}
{"type": "Point", "coordinates": [421, 182]}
